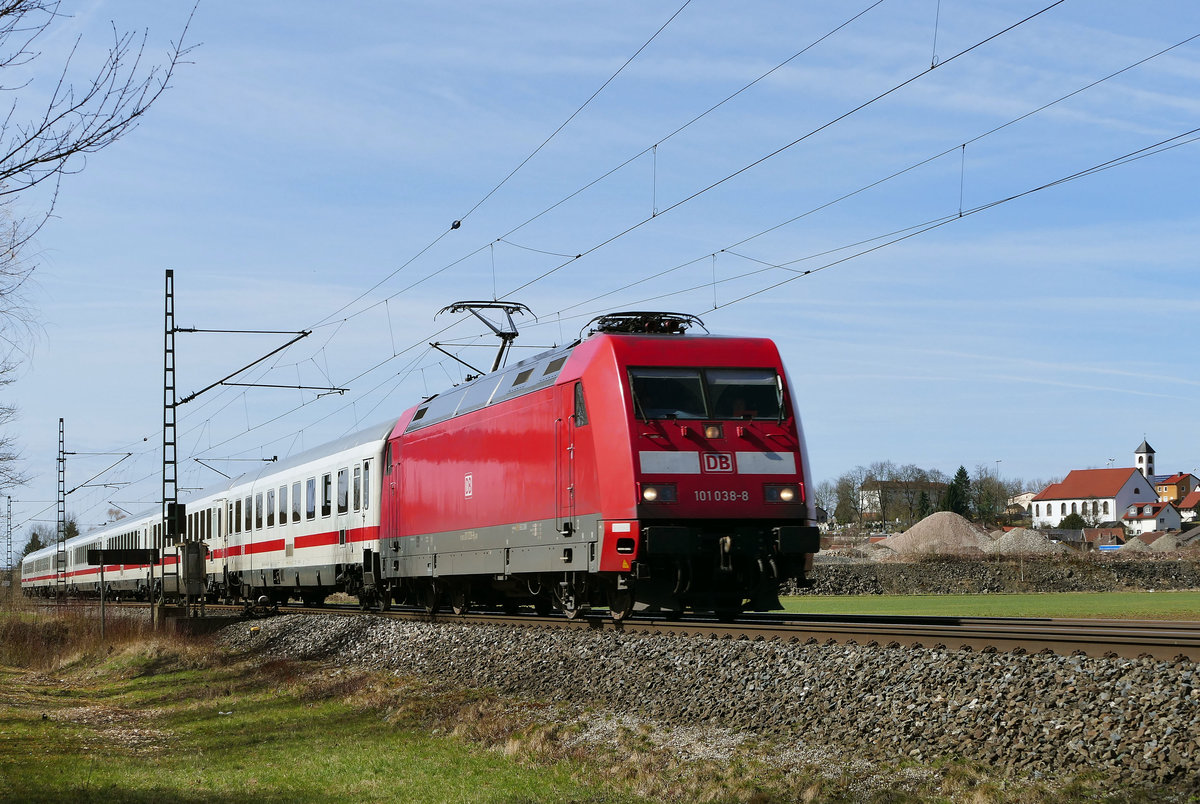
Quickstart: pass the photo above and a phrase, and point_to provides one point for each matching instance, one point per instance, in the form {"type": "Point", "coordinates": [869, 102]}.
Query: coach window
{"type": "Point", "coordinates": [581, 417]}
{"type": "Point", "coordinates": [296, 502]}
{"type": "Point", "coordinates": [357, 487]}
{"type": "Point", "coordinates": [283, 509]}
{"type": "Point", "coordinates": [249, 515]}
{"type": "Point", "coordinates": [366, 485]}
{"type": "Point", "coordinates": [258, 511]}
{"type": "Point", "coordinates": [343, 491]}
{"type": "Point", "coordinates": [310, 498]}
{"type": "Point", "coordinates": [326, 494]}
{"type": "Point", "coordinates": [270, 508]}
{"type": "Point", "coordinates": [235, 516]}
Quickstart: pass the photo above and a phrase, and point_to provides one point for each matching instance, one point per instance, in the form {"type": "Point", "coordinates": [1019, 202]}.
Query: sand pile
{"type": "Point", "coordinates": [943, 532]}
{"type": "Point", "coordinates": [1171, 542]}
{"type": "Point", "coordinates": [1026, 541]}
{"type": "Point", "coordinates": [1135, 545]}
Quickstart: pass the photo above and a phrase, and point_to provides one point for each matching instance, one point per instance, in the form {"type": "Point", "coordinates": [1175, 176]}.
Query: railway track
{"type": "Point", "coordinates": [1158, 639]}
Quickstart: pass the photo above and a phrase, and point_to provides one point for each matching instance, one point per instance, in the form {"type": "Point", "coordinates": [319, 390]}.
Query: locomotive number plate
{"type": "Point", "coordinates": [722, 495]}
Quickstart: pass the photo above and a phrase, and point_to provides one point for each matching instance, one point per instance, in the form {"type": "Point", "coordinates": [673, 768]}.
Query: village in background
{"type": "Point", "coordinates": [1127, 508]}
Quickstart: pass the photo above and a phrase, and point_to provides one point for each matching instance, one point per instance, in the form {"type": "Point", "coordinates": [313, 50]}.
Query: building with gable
{"type": "Point", "coordinates": [1174, 488]}
{"type": "Point", "coordinates": [1098, 495]}
{"type": "Point", "coordinates": [1149, 517]}
{"type": "Point", "coordinates": [1189, 507]}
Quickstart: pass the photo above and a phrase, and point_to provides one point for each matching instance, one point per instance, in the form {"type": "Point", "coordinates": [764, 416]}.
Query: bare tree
{"type": "Point", "coordinates": [44, 140]}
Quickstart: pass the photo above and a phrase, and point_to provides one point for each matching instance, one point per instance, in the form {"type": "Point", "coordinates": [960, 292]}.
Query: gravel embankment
{"type": "Point", "coordinates": [1008, 574]}
{"type": "Point", "coordinates": [1135, 720]}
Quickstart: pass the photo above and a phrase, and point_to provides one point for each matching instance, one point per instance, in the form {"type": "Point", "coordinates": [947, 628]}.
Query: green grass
{"type": "Point", "coordinates": [1171, 605]}
{"type": "Point", "coordinates": [187, 734]}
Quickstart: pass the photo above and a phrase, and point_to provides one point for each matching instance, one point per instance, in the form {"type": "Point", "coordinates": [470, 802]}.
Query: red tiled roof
{"type": "Point", "coordinates": [1155, 510]}
{"type": "Point", "coordinates": [1173, 479]}
{"type": "Point", "coordinates": [1190, 501]}
{"type": "Point", "coordinates": [1083, 483]}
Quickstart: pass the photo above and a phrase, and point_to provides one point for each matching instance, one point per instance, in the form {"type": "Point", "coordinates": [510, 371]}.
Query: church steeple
{"type": "Point", "coordinates": [1144, 457]}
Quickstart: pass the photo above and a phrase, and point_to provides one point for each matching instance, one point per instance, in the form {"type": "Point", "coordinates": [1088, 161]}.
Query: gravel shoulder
{"type": "Point", "coordinates": [1133, 722]}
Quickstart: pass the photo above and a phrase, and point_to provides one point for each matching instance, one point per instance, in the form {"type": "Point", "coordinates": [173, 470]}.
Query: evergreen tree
{"type": "Point", "coordinates": [958, 494]}
{"type": "Point", "coordinates": [924, 506]}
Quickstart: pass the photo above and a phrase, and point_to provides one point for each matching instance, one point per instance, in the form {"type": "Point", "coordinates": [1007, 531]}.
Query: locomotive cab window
{"type": "Point", "coordinates": [667, 393]}
{"type": "Point", "coordinates": [714, 393]}
{"type": "Point", "coordinates": [744, 393]}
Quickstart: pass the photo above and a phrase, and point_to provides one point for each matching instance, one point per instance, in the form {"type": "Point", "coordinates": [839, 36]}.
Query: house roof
{"type": "Point", "coordinates": [1084, 483]}
{"type": "Point", "coordinates": [1155, 510]}
{"type": "Point", "coordinates": [1190, 501]}
{"type": "Point", "coordinates": [1175, 478]}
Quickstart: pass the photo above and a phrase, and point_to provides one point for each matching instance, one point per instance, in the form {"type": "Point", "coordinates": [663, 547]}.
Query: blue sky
{"type": "Point", "coordinates": [304, 169]}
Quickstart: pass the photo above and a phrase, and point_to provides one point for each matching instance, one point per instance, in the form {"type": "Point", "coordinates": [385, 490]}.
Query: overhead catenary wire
{"type": "Point", "coordinates": [733, 301]}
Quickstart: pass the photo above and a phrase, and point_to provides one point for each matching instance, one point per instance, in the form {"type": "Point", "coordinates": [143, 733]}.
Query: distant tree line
{"type": "Point", "coordinates": [885, 492]}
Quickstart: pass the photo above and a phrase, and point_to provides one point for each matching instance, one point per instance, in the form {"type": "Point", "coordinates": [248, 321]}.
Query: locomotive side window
{"type": "Point", "coordinates": [581, 417]}
{"type": "Point", "coordinates": [667, 393]}
{"type": "Point", "coordinates": [743, 393]}
{"type": "Point", "coordinates": [326, 494]}
{"type": "Point", "coordinates": [310, 499]}
{"type": "Point", "coordinates": [343, 491]}
{"type": "Point", "coordinates": [296, 502]}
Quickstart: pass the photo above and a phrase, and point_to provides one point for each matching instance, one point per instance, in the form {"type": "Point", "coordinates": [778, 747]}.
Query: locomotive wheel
{"type": "Point", "coordinates": [460, 599]}
{"type": "Point", "coordinates": [620, 605]}
{"type": "Point", "coordinates": [570, 610]}
{"type": "Point", "coordinates": [430, 598]}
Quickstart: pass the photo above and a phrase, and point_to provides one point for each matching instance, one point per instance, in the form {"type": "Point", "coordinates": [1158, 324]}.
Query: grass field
{"type": "Point", "coordinates": [1109, 605]}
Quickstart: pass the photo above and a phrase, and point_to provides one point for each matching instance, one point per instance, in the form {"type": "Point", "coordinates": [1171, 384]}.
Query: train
{"type": "Point", "coordinates": [645, 467]}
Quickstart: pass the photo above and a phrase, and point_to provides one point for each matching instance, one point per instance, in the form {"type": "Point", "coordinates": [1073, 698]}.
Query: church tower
{"type": "Point", "coordinates": [1144, 456]}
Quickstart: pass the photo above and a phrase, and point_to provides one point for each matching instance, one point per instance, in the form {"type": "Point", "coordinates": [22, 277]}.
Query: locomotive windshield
{"type": "Point", "coordinates": [715, 393]}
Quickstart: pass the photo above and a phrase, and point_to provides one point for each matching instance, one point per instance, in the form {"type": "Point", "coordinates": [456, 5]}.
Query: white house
{"type": "Point", "coordinates": [1151, 516]}
{"type": "Point", "coordinates": [1098, 495]}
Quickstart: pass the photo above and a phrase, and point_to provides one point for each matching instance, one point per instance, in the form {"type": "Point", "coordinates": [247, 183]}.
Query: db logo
{"type": "Point", "coordinates": [717, 462]}
{"type": "Point", "coordinates": [468, 485]}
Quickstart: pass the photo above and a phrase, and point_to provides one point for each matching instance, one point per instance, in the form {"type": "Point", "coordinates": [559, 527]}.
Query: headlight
{"type": "Point", "coordinates": [712, 431]}
{"type": "Point", "coordinates": [659, 493]}
{"type": "Point", "coordinates": [782, 493]}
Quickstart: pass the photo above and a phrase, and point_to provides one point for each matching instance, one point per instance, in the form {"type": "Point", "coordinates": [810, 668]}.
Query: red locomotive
{"type": "Point", "coordinates": [640, 468]}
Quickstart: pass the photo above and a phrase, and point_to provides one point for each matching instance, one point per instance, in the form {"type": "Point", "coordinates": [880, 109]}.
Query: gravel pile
{"type": "Point", "coordinates": [1134, 545]}
{"type": "Point", "coordinates": [1175, 542]}
{"type": "Point", "coordinates": [943, 532]}
{"type": "Point", "coordinates": [1134, 720]}
{"type": "Point", "coordinates": [1025, 541]}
